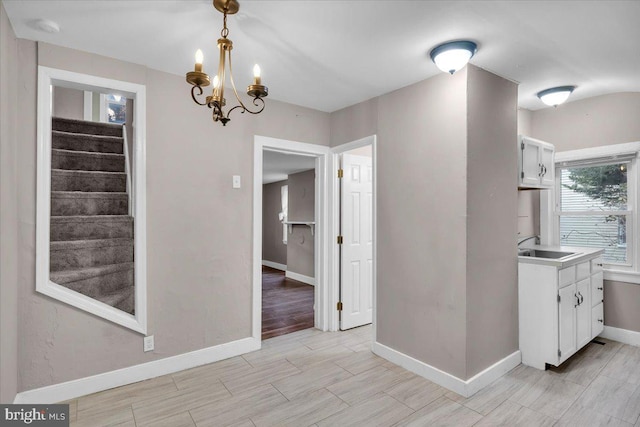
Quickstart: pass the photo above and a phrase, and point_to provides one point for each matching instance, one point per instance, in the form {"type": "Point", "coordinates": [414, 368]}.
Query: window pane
{"type": "Point", "coordinates": [602, 231]}
{"type": "Point", "coordinates": [594, 188]}
{"type": "Point", "coordinates": [116, 113]}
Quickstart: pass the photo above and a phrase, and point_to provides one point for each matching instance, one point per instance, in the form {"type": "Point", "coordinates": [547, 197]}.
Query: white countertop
{"type": "Point", "coordinates": [580, 255]}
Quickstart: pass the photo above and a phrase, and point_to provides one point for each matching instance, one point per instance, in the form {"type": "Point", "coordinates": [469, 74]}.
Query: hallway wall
{"type": "Point", "coordinates": [300, 245]}
{"type": "Point", "coordinates": [273, 249]}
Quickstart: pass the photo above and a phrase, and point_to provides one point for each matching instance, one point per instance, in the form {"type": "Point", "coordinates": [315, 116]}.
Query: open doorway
{"type": "Point", "coordinates": [301, 221]}
{"type": "Point", "coordinates": [288, 244]}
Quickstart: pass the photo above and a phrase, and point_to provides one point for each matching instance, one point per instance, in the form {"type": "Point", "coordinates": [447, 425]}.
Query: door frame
{"type": "Point", "coordinates": [334, 290]}
{"type": "Point", "coordinates": [47, 78]}
{"type": "Point", "coordinates": [321, 241]}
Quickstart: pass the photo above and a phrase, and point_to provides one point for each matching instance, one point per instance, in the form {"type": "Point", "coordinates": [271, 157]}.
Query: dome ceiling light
{"type": "Point", "coordinates": [555, 95]}
{"type": "Point", "coordinates": [452, 56]}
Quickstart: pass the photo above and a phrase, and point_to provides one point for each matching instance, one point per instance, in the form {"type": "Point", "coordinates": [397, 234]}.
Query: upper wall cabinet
{"type": "Point", "coordinates": [535, 163]}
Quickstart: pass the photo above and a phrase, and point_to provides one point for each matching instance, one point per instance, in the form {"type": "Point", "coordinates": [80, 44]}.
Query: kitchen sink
{"type": "Point", "coordinates": [538, 253]}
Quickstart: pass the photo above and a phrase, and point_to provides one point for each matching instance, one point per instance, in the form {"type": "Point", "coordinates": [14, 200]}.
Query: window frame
{"type": "Point", "coordinates": [549, 205]}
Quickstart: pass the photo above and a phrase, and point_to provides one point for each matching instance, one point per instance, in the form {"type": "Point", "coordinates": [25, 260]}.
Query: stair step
{"type": "Point", "coordinates": [63, 180]}
{"type": "Point", "coordinates": [91, 227]}
{"type": "Point", "coordinates": [86, 127]}
{"type": "Point", "coordinates": [76, 254]}
{"type": "Point", "coordinates": [75, 203]}
{"type": "Point", "coordinates": [91, 143]}
{"type": "Point", "coordinates": [122, 299]}
{"type": "Point", "coordinates": [96, 281]}
{"type": "Point", "coordinates": [87, 161]}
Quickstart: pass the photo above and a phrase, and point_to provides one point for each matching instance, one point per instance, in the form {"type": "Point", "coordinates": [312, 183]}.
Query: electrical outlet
{"type": "Point", "coordinates": [236, 181]}
{"type": "Point", "coordinates": [148, 343]}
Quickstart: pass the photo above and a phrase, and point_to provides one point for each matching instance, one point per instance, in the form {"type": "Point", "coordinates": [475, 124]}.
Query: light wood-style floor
{"type": "Point", "coordinates": [313, 378]}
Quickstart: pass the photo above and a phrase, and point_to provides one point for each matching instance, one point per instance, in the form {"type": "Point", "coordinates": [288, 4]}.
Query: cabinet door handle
{"type": "Point", "coordinates": [600, 320]}
{"type": "Point", "coordinates": [599, 265]}
{"type": "Point", "coordinates": [577, 301]}
{"type": "Point", "coordinates": [544, 170]}
{"type": "Point", "coordinates": [601, 289]}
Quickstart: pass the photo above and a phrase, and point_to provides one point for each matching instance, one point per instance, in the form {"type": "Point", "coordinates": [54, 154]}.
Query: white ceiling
{"type": "Point", "coordinates": [278, 166]}
{"type": "Point", "coordinates": [328, 55]}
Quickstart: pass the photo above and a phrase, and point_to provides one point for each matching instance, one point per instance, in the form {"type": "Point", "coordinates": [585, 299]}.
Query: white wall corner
{"type": "Point", "coordinates": [624, 336]}
{"type": "Point", "coordinates": [276, 265]}
{"type": "Point", "coordinates": [108, 380]}
{"type": "Point", "coordinates": [464, 388]}
{"type": "Point", "coordinates": [301, 278]}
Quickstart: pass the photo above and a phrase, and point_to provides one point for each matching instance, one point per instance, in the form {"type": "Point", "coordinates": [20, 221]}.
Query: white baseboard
{"type": "Point", "coordinates": [83, 386]}
{"type": "Point", "coordinates": [624, 336]}
{"type": "Point", "coordinates": [301, 278]}
{"type": "Point", "coordinates": [464, 388]}
{"type": "Point", "coordinates": [275, 265]}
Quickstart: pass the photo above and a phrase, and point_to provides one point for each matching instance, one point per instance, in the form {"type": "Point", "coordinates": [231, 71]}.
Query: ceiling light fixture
{"type": "Point", "coordinates": [199, 79]}
{"type": "Point", "coordinates": [556, 95]}
{"type": "Point", "coordinates": [452, 56]}
{"type": "Point", "coordinates": [47, 26]}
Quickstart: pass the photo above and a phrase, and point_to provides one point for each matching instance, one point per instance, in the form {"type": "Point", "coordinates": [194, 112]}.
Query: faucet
{"type": "Point", "coordinates": [529, 238]}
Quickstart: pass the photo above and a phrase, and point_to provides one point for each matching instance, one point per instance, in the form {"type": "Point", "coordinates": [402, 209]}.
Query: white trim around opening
{"type": "Point", "coordinates": [334, 290]}
{"type": "Point", "coordinates": [47, 78]}
{"type": "Point", "coordinates": [322, 155]}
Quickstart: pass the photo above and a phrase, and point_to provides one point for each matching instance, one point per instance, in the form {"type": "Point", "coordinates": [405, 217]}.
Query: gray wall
{"type": "Point", "coordinates": [423, 149]}
{"type": "Point", "coordinates": [68, 103]}
{"type": "Point", "coordinates": [198, 226]}
{"type": "Point", "coordinates": [492, 218]}
{"type": "Point", "coordinates": [592, 122]}
{"type": "Point", "coordinates": [272, 247]}
{"type": "Point", "coordinates": [9, 60]}
{"type": "Point", "coordinates": [300, 243]}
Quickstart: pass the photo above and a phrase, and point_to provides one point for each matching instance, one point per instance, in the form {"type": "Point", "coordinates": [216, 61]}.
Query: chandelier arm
{"type": "Point", "coordinates": [233, 86]}
{"type": "Point", "coordinates": [193, 95]}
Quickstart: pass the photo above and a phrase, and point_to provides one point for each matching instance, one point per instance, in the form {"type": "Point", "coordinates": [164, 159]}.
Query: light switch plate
{"type": "Point", "coordinates": [236, 181]}
{"type": "Point", "coordinates": [148, 343]}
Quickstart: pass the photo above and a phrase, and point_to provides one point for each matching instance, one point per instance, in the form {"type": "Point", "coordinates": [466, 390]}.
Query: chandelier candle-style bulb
{"type": "Point", "coordinates": [199, 59]}
{"type": "Point", "coordinates": [256, 75]}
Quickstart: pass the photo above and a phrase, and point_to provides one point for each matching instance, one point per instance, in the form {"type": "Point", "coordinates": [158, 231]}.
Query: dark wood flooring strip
{"type": "Point", "coordinates": [287, 305]}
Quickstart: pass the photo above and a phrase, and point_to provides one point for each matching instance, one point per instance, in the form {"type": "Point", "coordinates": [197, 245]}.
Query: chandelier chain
{"type": "Point", "coordinates": [225, 31]}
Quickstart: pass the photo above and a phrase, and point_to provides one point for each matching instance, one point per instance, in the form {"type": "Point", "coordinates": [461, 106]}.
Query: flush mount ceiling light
{"type": "Point", "coordinates": [47, 26]}
{"type": "Point", "coordinates": [200, 79]}
{"type": "Point", "coordinates": [556, 95]}
{"type": "Point", "coordinates": [452, 56]}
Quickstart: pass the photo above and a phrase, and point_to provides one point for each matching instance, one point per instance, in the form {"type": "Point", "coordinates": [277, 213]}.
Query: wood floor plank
{"type": "Point", "coordinates": [287, 305]}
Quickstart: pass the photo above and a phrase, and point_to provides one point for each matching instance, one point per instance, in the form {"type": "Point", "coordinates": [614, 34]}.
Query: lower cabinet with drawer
{"type": "Point", "coordinates": [560, 309]}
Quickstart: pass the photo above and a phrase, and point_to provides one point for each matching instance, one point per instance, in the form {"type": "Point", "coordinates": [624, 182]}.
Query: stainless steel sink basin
{"type": "Point", "coordinates": [537, 253]}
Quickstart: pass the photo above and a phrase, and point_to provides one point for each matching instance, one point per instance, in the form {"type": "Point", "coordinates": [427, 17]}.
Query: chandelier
{"type": "Point", "coordinates": [199, 79]}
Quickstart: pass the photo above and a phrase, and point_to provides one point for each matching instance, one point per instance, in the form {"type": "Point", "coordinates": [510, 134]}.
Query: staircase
{"type": "Point", "coordinates": [91, 230]}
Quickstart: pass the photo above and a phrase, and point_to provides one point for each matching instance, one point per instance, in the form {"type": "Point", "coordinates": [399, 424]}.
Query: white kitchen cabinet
{"type": "Point", "coordinates": [535, 163]}
{"type": "Point", "coordinates": [559, 309]}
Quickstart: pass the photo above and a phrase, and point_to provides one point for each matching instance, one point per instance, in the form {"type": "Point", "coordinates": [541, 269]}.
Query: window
{"type": "Point", "coordinates": [113, 108]}
{"type": "Point", "coordinates": [284, 199]}
{"type": "Point", "coordinates": [595, 206]}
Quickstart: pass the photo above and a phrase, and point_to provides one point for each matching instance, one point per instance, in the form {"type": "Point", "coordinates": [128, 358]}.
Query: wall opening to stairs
{"type": "Point", "coordinates": [91, 203]}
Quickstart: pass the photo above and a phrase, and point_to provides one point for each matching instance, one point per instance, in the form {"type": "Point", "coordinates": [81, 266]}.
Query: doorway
{"type": "Point", "coordinates": [288, 242]}
{"type": "Point", "coordinates": [305, 230]}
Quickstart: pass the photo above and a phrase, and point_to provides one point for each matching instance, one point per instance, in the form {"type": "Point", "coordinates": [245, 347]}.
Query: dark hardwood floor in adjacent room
{"type": "Point", "coordinates": [287, 305]}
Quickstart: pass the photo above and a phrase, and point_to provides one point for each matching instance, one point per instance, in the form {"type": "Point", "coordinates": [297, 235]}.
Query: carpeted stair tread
{"type": "Point", "coordinates": [65, 180]}
{"type": "Point", "coordinates": [81, 203]}
{"type": "Point", "coordinates": [87, 161]}
{"type": "Point", "coordinates": [87, 143]}
{"type": "Point", "coordinates": [75, 254]}
{"type": "Point", "coordinates": [121, 299]}
{"type": "Point", "coordinates": [90, 243]}
{"type": "Point", "coordinates": [70, 276]}
{"type": "Point", "coordinates": [92, 218]}
{"type": "Point", "coordinates": [88, 227]}
{"type": "Point", "coordinates": [85, 127]}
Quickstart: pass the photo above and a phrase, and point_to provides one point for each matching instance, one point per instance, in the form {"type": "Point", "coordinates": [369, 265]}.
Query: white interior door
{"type": "Point", "coordinates": [356, 209]}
